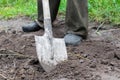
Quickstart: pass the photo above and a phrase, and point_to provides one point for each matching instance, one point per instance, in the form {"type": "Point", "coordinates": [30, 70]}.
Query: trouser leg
{"type": "Point", "coordinates": [77, 17]}
{"type": "Point", "coordinates": [54, 5]}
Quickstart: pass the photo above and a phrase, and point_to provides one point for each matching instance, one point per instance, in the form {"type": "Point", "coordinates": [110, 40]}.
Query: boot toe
{"type": "Point", "coordinates": [32, 27]}
{"type": "Point", "coordinates": [72, 39]}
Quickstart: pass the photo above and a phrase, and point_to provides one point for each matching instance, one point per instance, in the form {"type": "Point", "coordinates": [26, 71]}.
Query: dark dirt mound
{"type": "Point", "coordinates": [97, 58]}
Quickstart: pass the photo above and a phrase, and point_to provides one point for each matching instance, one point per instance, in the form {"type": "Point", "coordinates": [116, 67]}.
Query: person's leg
{"type": "Point", "coordinates": [38, 24]}
{"type": "Point", "coordinates": [54, 5]}
{"type": "Point", "coordinates": [76, 20]}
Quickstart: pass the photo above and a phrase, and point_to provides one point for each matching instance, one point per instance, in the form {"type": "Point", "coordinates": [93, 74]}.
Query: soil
{"type": "Point", "coordinates": [97, 58]}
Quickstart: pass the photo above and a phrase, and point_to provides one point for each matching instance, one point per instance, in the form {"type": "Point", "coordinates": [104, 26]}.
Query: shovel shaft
{"type": "Point", "coordinates": [47, 19]}
{"type": "Point", "coordinates": [48, 27]}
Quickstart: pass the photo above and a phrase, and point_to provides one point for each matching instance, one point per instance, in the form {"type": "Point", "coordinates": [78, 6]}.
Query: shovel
{"type": "Point", "coordinates": [50, 51]}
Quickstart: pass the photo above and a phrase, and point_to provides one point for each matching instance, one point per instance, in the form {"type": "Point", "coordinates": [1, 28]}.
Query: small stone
{"type": "Point", "coordinates": [23, 77]}
{"type": "Point", "coordinates": [85, 55]}
{"type": "Point", "coordinates": [93, 65]}
{"type": "Point", "coordinates": [81, 61]}
{"type": "Point", "coordinates": [113, 63]}
{"type": "Point", "coordinates": [105, 62]}
{"type": "Point", "coordinates": [14, 32]}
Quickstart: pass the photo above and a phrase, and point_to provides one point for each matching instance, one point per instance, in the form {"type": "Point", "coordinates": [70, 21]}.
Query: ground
{"type": "Point", "coordinates": [97, 58]}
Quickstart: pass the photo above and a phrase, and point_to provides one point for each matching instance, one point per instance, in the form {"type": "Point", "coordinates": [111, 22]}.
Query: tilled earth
{"type": "Point", "coordinates": [97, 58]}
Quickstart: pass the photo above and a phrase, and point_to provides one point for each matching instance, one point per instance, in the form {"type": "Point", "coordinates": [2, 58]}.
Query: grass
{"type": "Point", "coordinates": [99, 10]}
{"type": "Point", "coordinates": [105, 10]}
{"type": "Point", "coordinates": [13, 8]}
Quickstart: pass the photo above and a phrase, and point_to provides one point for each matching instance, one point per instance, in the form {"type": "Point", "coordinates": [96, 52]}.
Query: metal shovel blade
{"type": "Point", "coordinates": [47, 58]}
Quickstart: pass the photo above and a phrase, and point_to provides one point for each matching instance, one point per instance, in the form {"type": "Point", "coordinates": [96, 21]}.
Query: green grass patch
{"type": "Point", "coordinates": [13, 8]}
{"type": "Point", "coordinates": [99, 10]}
{"type": "Point", "coordinates": [105, 10]}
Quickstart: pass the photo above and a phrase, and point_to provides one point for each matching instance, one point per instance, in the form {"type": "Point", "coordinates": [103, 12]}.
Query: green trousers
{"type": "Point", "coordinates": [76, 19]}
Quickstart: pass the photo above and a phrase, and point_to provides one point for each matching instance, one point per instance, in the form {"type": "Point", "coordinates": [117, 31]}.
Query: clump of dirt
{"type": "Point", "coordinates": [97, 58]}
